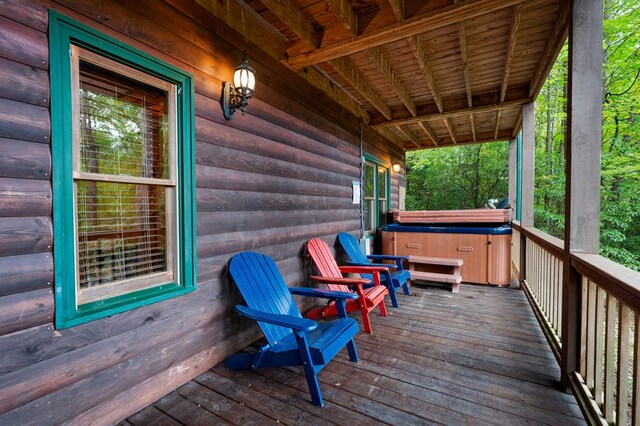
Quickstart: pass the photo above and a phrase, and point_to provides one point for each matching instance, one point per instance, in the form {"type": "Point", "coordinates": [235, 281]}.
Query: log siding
{"type": "Point", "coordinates": [265, 181]}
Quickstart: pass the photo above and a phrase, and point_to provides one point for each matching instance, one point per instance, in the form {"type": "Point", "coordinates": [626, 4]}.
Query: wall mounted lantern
{"type": "Point", "coordinates": [396, 167]}
{"type": "Point", "coordinates": [237, 96]}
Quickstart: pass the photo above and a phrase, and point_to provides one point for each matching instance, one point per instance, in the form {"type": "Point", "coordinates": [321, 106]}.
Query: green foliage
{"type": "Point", "coordinates": [462, 177]}
{"type": "Point", "coordinates": [620, 170]}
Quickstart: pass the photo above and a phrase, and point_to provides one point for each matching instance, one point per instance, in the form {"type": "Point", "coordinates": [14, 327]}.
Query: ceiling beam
{"type": "Point", "coordinates": [465, 60]}
{"type": "Point", "coordinates": [398, 9]}
{"type": "Point", "coordinates": [473, 126]}
{"type": "Point", "coordinates": [454, 113]}
{"type": "Point", "coordinates": [495, 133]}
{"type": "Point", "coordinates": [287, 12]}
{"type": "Point", "coordinates": [447, 122]}
{"type": "Point", "coordinates": [429, 131]}
{"type": "Point", "coordinates": [482, 138]}
{"type": "Point", "coordinates": [346, 15]}
{"type": "Point", "coordinates": [421, 56]}
{"type": "Point", "coordinates": [395, 139]}
{"type": "Point", "coordinates": [392, 78]}
{"type": "Point", "coordinates": [515, 22]}
{"type": "Point", "coordinates": [409, 134]}
{"type": "Point", "coordinates": [551, 50]}
{"type": "Point", "coordinates": [516, 127]}
{"type": "Point", "coordinates": [355, 79]}
{"type": "Point", "coordinates": [248, 24]}
{"type": "Point", "coordinates": [394, 32]}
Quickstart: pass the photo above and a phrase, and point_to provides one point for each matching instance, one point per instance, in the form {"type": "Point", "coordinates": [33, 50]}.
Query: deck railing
{"type": "Point", "coordinates": [606, 381]}
{"type": "Point", "coordinates": [543, 283]}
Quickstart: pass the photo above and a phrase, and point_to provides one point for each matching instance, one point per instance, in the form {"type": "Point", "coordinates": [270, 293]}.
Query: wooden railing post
{"type": "Point", "coordinates": [527, 162]}
{"type": "Point", "coordinates": [584, 136]}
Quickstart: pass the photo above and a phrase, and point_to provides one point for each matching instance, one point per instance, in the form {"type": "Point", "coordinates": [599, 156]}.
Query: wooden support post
{"type": "Point", "coordinates": [584, 136]}
{"type": "Point", "coordinates": [513, 173]}
{"type": "Point", "coordinates": [528, 163]}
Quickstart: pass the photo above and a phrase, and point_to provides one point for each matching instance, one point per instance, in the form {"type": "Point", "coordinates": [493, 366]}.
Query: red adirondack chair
{"type": "Point", "coordinates": [331, 274]}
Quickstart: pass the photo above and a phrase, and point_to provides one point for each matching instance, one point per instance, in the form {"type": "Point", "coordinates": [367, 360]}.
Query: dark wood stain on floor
{"type": "Point", "coordinates": [477, 357]}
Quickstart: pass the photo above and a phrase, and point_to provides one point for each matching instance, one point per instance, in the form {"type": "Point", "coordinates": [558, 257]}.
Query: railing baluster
{"type": "Point", "coordinates": [584, 336]}
{"type": "Point", "coordinates": [635, 406]}
{"type": "Point", "coordinates": [610, 357]}
{"type": "Point", "coordinates": [591, 334]}
{"type": "Point", "coordinates": [599, 350]}
{"type": "Point", "coordinates": [622, 397]}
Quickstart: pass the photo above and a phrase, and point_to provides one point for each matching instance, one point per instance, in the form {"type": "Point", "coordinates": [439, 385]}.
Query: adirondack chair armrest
{"type": "Point", "coordinates": [340, 280]}
{"type": "Point", "coordinates": [384, 265]}
{"type": "Point", "coordinates": [322, 293]}
{"type": "Point", "coordinates": [294, 323]}
{"type": "Point", "coordinates": [386, 257]}
{"type": "Point", "coordinates": [368, 269]}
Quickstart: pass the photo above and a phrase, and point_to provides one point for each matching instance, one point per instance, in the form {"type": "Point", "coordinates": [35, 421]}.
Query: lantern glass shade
{"type": "Point", "coordinates": [396, 167]}
{"type": "Point", "coordinates": [244, 78]}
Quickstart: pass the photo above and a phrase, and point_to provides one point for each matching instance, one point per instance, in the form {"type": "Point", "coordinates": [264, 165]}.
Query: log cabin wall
{"type": "Point", "coordinates": [266, 181]}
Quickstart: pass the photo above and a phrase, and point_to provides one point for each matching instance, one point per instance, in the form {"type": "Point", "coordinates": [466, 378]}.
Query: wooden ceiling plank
{"type": "Point", "coordinates": [392, 78]}
{"type": "Point", "coordinates": [447, 122]}
{"type": "Point", "coordinates": [346, 15]}
{"type": "Point", "coordinates": [551, 50]}
{"type": "Point", "coordinates": [485, 139]}
{"type": "Point", "coordinates": [398, 9]}
{"type": "Point", "coordinates": [453, 113]}
{"type": "Point", "coordinates": [515, 22]}
{"type": "Point", "coordinates": [473, 126]}
{"type": "Point", "coordinates": [409, 134]}
{"type": "Point", "coordinates": [421, 56]}
{"type": "Point", "coordinates": [429, 131]}
{"type": "Point", "coordinates": [287, 12]}
{"type": "Point", "coordinates": [355, 79]}
{"type": "Point", "coordinates": [418, 24]}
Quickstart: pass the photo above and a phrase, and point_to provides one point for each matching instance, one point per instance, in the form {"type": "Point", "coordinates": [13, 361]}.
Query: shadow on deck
{"type": "Point", "coordinates": [476, 357]}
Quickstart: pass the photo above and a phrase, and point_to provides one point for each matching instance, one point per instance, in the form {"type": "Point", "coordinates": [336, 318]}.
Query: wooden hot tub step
{"type": "Point", "coordinates": [451, 276]}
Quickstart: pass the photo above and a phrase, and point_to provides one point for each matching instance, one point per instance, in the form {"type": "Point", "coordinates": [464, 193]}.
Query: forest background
{"type": "Point", "coordinates": [467, 177]}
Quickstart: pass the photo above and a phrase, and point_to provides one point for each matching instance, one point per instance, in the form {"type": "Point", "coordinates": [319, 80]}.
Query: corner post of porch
{"type": "Point", "coordinates": [513, 173]}
{"type": "Point", "coordinates": [583, 149]}
{"type": "Point", "coordinates": [527, 165]}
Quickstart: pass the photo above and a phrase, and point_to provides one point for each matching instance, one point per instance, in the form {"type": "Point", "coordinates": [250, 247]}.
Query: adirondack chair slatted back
{"type": "Point", "coordinates": [351, 246]}
{"type": "Point", "coordinates": [355, 254]}
{"type": "Point", "coordinates": [263, 289]}
{"type": "Point", "coordinates": [325, 262]}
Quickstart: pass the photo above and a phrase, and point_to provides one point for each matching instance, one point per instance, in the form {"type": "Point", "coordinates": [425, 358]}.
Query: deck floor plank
{"type": "Point", "coordinates": [476, 357]}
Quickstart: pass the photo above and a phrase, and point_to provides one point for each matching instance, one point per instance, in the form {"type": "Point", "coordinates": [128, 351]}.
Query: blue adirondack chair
{"type": "Point", "coordinates": [394, 278]}
{"type": "Point", "coordinates": [291, 339]}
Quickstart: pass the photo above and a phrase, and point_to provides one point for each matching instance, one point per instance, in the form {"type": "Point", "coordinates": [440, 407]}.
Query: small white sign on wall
{"type": "Point", "coordinates": [356, 191]}
{"type": "Point", "coordinates": [402, 193]}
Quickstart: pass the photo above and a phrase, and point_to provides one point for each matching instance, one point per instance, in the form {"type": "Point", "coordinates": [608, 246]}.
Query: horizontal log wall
{"type": "Point", "coordinates": [266, 181]}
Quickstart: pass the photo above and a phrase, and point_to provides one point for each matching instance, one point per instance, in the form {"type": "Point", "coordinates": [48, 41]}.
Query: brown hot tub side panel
{"type": "Point", "coordinates": [486, 257]}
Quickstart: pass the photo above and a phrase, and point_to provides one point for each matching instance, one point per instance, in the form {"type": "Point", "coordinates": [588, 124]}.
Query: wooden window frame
{"type": "Point", "coordinates": [375, 200]}
{"type": "Point", "coordinates": [67, 40]}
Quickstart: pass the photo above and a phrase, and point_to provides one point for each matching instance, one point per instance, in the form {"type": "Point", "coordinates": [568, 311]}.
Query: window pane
{"type": "Point", "coordinates": [382, 204]}
{"type": "Point", "coordinates": [123, 125]}
{"type": "Point", "coordinates": [122, 231]}
{"type": "Point", "coordinates": [382, 182]}
{"type": "Point", "coordinates": [369, 184]}
{"type": "Point", "coordinates": [368, 213]}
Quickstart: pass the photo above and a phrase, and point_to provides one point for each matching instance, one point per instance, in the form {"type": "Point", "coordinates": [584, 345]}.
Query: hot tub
{"type": "Point", "coordinates": [485, 248]}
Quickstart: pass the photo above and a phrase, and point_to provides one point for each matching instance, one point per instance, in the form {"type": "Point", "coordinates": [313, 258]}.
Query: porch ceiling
{"type": "Point", "coordinates": [423, 73]}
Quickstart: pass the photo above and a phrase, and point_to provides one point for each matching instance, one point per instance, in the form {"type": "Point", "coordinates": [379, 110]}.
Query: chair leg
{"type": "Point", "coordinates": [392, 295]}
{"type": "Point", "coordinates": [353, 353]}
{"type": "Point", "coordinates": [383, 309]}
{"type": "Point", "coordinates": [309, 370]}
{"type": "Point", "coordinates": [365, 320]}
{"type": "Point", "coordinates": [405, 288]}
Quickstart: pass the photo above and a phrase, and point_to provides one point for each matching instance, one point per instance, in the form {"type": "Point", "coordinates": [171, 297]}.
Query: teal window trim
{"type": "Point", "coordinates": [378, 163]}
{"type": "Point", "coordinates": [63, 32]}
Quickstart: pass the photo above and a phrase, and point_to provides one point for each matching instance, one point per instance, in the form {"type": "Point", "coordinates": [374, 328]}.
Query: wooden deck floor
{"type": "Point", "coordinates": [477, 357]}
